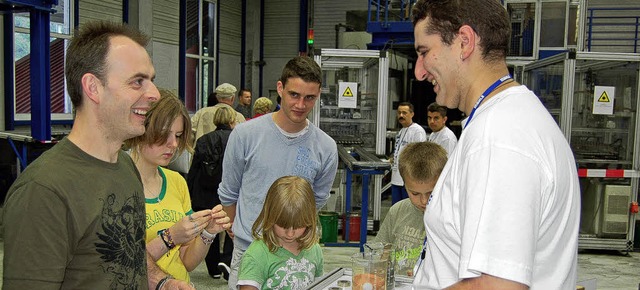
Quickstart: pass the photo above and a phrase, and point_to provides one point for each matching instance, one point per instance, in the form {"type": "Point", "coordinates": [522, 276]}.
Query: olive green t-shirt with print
{"type": "Point", "coordinates": [72, 221]}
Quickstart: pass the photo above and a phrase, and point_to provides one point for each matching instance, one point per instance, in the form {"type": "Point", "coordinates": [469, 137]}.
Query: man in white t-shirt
{"type": "Point", "coordinates": [410, 132]}
{"type": "Point", "coordinates": [505, 212]}
{"type": "Point", "coordinates": [441, 134]}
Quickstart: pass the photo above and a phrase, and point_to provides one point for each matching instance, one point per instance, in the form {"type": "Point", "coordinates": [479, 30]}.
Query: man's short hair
{"type": "Point", "coordinates": [406, 104]}
{"type": "Point", "coordinates": [488, 18]}
{"type": "Point", "coordinates": [88, 50]}
{"type": "Point", "coordinates": [434, 107]}
{"type": "Point", "coordinates": [422, 161]}
{"type": "Point", "coordinates": [302, 67]}
{"type": "Point", "coordinates": [243, 90]}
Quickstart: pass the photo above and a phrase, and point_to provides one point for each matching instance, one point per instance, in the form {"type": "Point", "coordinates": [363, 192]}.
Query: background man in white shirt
{"type": "Point", "coordinates": [441, 134]}
{"type": "Point", "coordinates": [410, 132]}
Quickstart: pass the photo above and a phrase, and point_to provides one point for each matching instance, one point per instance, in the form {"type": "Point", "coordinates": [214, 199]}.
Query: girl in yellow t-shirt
{"type": "Point", "coordinates": [177, 238]}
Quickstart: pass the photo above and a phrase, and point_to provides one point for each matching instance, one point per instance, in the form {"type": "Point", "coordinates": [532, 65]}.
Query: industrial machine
{"type": "Point", "coordinates": [594, 98]}
{"type": "Point", "coordinates": [353, 110]}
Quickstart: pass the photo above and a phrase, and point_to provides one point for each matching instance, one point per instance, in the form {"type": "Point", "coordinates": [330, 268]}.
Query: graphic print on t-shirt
{"type": "Point", "coordinates": [123, 247]}
{"type": "Point", "coordinates": [295, 275]}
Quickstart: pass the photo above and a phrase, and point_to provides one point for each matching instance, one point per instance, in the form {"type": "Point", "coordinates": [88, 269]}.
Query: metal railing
{"type": "Point", "coordinates": [386, 11]}
{"type": "Point", "coordinates": [613, 27]}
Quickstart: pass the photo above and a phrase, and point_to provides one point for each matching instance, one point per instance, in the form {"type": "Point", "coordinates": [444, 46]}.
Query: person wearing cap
{"type": "Point", "coordinates": [202, 120]}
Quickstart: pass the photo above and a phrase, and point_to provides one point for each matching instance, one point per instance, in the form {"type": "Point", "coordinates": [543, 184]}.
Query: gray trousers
{"type": "Point", "coordinates": [236, 257]}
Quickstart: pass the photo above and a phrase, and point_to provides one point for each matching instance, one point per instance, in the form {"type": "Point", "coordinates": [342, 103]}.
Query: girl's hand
{"type": "Point", "coordinates": [219, 220]}
{"type": "Point", "coordinates": [190, 226]}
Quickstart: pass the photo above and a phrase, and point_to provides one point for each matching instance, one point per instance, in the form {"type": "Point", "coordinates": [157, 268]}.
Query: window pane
{"type": "Point", "coordinates": [193, 32]}
{"type": "Point", "coordinates": [572, 36]}
{"type": "Point", "coordinates": [208, 72]}
{"type": "Point", "coordinates": [22, 75]}
{"type": "Point", "coordinates": [60, 21]}
{"type": "Point", "coordinates": [21, 20]}
{"type": "Point", "coordinates": [191, 86]}
{"type": "Point", "coordinates": [208, 28]}
{"type": "Point", "coordinates": [522, 17]}
{"type": "Point", "coordinates": [553, 24]}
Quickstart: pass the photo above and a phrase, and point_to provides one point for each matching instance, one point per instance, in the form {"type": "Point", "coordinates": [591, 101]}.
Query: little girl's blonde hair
{"type": "Point", "coordinates": [290, 203]}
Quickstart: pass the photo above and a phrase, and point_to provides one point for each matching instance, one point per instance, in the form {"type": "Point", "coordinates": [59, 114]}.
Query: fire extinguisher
{"type": "Point", "coordinates": [634, 207]}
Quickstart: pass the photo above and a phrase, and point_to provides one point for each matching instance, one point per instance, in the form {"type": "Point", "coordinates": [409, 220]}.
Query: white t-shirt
{"type": "Point", "coordinates": [413, 133]}
{"type": "Point", "coordinates": [507, 203]}
{"type": "Point", "coordinates": [444, 138]}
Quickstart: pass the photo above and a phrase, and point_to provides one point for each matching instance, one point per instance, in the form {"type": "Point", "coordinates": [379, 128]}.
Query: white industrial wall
{"type": "Point", "coordinates": [625, 46]}
{"type": "Point", "coordinates": [164, 28]}
{"type": "Point", "coordinates": [281, 31]}
{"type": "Point", "coordinates": [230, 42]}
{"type": "Point", "coordinates": [100, 9]}
{"type": "Point", "coordinates": [328, 13]}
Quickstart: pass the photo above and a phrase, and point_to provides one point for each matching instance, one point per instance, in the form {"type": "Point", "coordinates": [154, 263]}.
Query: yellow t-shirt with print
{"type": "Point", "coordinates": [171, 206]}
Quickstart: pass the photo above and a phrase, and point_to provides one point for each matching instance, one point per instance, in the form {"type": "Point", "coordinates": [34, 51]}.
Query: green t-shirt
{"type": "Point", "coordinates": [403, 226]}
{"type": "Point", "coordinates": [280, 270]}
{"type": "Point", "coordinates": [72, 221]}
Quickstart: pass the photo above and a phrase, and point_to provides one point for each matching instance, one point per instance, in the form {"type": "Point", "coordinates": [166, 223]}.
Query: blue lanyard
{"type": "Point", "coordinates": [485, 94]}
{"type": "Point", "coordinates": [422, 256]}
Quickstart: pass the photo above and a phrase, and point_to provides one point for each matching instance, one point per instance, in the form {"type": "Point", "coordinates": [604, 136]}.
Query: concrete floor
{"type": "Point", "coordinates": [609, 270]}
{"type": "Point", "coordinates": [600, 269]}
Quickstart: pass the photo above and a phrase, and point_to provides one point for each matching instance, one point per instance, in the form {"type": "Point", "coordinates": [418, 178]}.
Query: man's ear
{"type": "Point", "coordinates": [92, 87]}
{"type": "Point", "coordinates": [468, 39]}
{"type": "Point", "coordinates": [280, 88]}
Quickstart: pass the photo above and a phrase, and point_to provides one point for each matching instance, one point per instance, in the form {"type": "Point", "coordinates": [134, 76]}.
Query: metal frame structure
{"type": "Point", "coordinates": [569, 62]}
{"type": "Point", "coordinates": [361, 59]}
{"type": "Point", "coordinates": [39, 14]}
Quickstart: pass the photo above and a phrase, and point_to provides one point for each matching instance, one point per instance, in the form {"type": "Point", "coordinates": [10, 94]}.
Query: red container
{"type": "Point", "coordinates": [354, 227]}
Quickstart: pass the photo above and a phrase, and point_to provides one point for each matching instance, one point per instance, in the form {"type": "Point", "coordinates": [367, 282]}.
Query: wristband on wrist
{"type": "Point", "coordinates": [207, 238]}
{"type": "Point", "coordinates": [162, 282]}
{"type": "Point", "coordinates": [208, 234]}
{"type": "Point", "coordinates": [165, 236]}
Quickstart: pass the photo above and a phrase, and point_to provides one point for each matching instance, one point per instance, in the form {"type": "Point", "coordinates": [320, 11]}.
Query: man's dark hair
{"type": "Point", "coordinates": [87, 53]}
{"type": "Point", "coordinates": [407, 104]}
{"type": "Point", "coordinates": [242, 91]}
{"type": "Point", "coordinates": [434, 107]}
{"type": "Point", "coordinates": [302, 67]}
{"type": "Point", "coordinates": [488, 18]}
{"type": "Point", "coordinates": [211, 99]}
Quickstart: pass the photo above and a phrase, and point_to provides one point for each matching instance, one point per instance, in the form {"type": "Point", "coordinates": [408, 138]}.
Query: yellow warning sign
{"type": "Point", "coordinates": [347, 93]}
{"type": "Point", "coordinates": [604, 98]}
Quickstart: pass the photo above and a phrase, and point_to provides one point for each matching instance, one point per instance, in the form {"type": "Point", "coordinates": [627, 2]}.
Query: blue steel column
{"type": "Point", "coordinates": [261, 49]}
{"type": "Point", "coordinates": [9, 96]}
{"type": "Point", "coordinates": [304, 25]}
{"type": "Point", "coordinates": [125, 11]}
{"type": "Point", "coordinates": [40, 76]}
{"type": "Point", "coordinates": [243, 45]}
{"type": "Point", "coordinates": [182, 52]}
